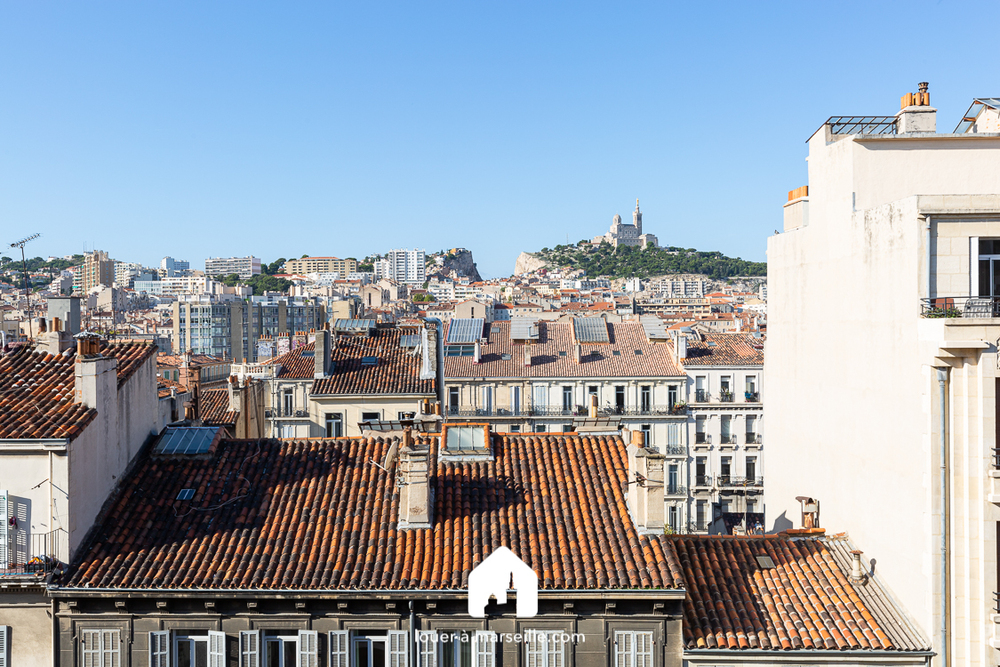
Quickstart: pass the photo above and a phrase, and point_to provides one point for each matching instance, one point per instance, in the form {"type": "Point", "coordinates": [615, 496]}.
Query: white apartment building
{"type": "Point", "coordinates": [726, 462]}
{"type": "Point", "coordinates": [245, 267]}
{"type": "Point", "coordinates": [172, 267]}
{"type": "Point", "coordinates": [882, 369]}
{"type": "Point", "coordinates": [178, 285]}
{"type": "Point", "coordinates": [321, 265]}
{"type": "Point", "coordinates": [405, 266]}
{"type": "Point", "coordinates": [126, 273]}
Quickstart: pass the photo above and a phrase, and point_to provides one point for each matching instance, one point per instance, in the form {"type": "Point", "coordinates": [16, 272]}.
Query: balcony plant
{"type": "Point", "coordinates": [678, 408]}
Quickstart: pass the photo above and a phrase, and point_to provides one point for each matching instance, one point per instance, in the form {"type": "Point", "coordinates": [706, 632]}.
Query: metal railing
{"type": "Point", "coordinates": [703, 480]}
{"type": "Point", "coordinates": [701, 396]}
{"type": "Point", "coordinates": [862, 124]}
{"type": "Point", "coordinates": [751, 396]}
{"type": "Point", "coordinates": [36, 554]}
{"type": "Point", "coordinates": [732, 481]}
{"type": "Point", "coordinates": [698, 526]}
{"type": "Point", "coordinates": [726, 396]}
{"type": "Point", "coordinates": [702, 438]}
{"type": "Point", "coordinates": [675, 490]}
{"type": "Point", "coordinates": [674, 450]}
{"type": "Point", "coordinates": [753, 439]}
{"type": "Point", "coordinates": [727, 439]}
{"type": "Point", "coordinates": [982, 307]}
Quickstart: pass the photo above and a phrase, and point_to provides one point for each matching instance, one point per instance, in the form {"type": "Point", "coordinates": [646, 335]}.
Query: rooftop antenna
{"type": "Point", "coordinates": [24, 266]}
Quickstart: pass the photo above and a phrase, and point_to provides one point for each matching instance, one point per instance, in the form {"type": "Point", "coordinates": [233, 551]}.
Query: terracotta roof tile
{"type": "Point", "coordinates": [724, 349]}
{"type": "Point", "coordinates": [653, 360]}
{"type": "Point", "coordinates": [397, 370]}
{"type": "Point", "coordinates": [37, 390]}
{"type": "Point", "coordinates": [316, 514]}
{"type": "Point", "coordinates": [213, 406]}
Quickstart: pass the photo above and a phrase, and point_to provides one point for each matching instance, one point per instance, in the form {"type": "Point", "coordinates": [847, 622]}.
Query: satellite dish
{"type": "Point", "coordinates": [390, 456]}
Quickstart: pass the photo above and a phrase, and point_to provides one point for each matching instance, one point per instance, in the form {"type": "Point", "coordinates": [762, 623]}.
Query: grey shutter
{"type": "Point", "coordinates": [4, 646]}
{"type": "Point", "coordinates": [398, 648]}
{"type": "Point", "coordinates": [159, 649]}
{"type": "Point", "coordinates": [111, 648]}
{"type": "Point", "coordinates": [483, 647]}
{"type": "Point", "coordinates": [216, 649]}
{"type": "Point", "coordinates": [623, 649]}
{"type": "Point", "coordinates": [4, 535]}
{"type": "Point", "coordinates": [20, 511]}
{"type": "Point", "coordinates": [308, 654]}
{"type": "Point", "coordinates": [250, 648]}
{"type": "Point", "coordinates": [426, 648]}
{"type": "Point", "coordinates": [338, 649]}
{"type": "Point", "coordinates": [556, 650]}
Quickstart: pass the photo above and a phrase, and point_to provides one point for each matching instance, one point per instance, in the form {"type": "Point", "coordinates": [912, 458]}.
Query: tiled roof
{"type": "Point", "coordinates": [164, 385]}
{"type": "Point", "coordinates": [294, 365]}
{"type": "Point", "coordinates": [178, 360]}
{"type": "Point", "coordinates": [213, 407]}
{"type": "Point", "coordinates": [37, 390]}
{"type": "Point", "coordinates": [317, 514]}
{"type": "Point", "coordinates": [397, 370]}
{"type": "Point", "coordinates": [806, 602]}
{"type": "Point", "coordinates": [655, 360]}
{"type": "Point", "coordinates": [729, 349]}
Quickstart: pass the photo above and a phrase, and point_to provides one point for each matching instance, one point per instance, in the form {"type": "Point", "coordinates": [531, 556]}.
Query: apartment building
{"type": "Point", "coordinates": [178, 285]}
{"type": "Point", "coordinates": [534, 376]}
{"type": "Point", "coordinates": [724, 394]}
{"type": "Point", "coordinates": [244, 267]}
{"type": "Point", "coordinates": [127, 272]}
{"type": "Point", "coordinates": [306, 265]}
{"type": "Point", "coordinates": [174, 267]}
{"type": "Point", "coordinates": [405, 266]}
{"type": "Point", "coordinates": [230, 330]}
{"type": "Point", "coordinates": [97, 269]}
{"type": "Point", "coordinates": [884, 291]}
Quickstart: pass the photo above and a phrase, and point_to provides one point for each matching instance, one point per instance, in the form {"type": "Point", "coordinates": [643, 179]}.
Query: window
{"type": "Point", "coordinates": [539, 396]}
{"type": "Point", "coordinates": [540, 428]}
{"type": "Point", "coordinates": [633, 649]}
{"type": "Point", "coordinates": [619, 399]}
{"type": "Point", "coordinates": [672, 517]}
{"type": "Point", "coordinates": [459, 350]}
{"type": "Point", "coordinates": [647, 435]}
{"type": "Point", "coordinates": [727, 426]}
{"type": "Point", "coordinates": [288, 402]}
{"type": "Point", "coordinates": [515, 400]}
{"type": "Point", "coordinates": [515, 428]}
{"type": "Point", "coordinates": [751, 506]}
{"type": "Point", "coordinates": [101, 648]}
{"type": "Point", "coordinates": [203, 650]}
{"type": "Point", "coordinates": [453, 400]}
{"type": "Point", "coordinates": [592, 390]}
{"type": "Point", "coordinates": [672, 478]}
{"type": "Point", "coordinates": [545, 648]}
{"type": "Point", "coordinates": [281, 648]}
{"type": "Point", "coordinates": [699, 429]}
{"type": "Point", "coordinates": [751, 423]}
{"type": "Point", "coordinates": [725, 469]}
{"type": "Point", "coordinates": [989, 267]}
{"type": "Point", "coordinates": [645, 398]}
{"type": "Point", "coordinates": [373, 649]}
{"type": "Point", "coordinates": [751, 465]}
{"type": "Point", "coordinates": [567, 399]}
{"type": "Point", "coordinates": [701, 389]}
{"type": "Point", "coordinates": [371, 416]}
{"type": "Point", "coordinates": [699, 513]}
{"type": "Point", "coordinates": [334, 425]}
{"type": "Point", "coordinates": [488, 400]}
{"type": "Point", "coordinates": [671, 396]}
{"type": "Point", "coordinates": [405, 415]}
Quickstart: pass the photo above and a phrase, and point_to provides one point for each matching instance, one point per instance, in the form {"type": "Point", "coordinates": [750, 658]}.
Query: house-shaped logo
{"type": "Point", "coordinates": [491, 578]}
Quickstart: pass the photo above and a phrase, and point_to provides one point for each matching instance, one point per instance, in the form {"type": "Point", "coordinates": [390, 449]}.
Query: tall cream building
{"type": "Point", "coordinates": [884, 304]}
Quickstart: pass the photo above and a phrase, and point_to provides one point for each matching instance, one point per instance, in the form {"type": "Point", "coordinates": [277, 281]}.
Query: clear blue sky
{"type": "Point", "coordinates": [197, 129]}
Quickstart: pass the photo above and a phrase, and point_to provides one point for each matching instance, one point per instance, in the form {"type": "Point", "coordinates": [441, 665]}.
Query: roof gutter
{"type": "Point", "coordinates": [804, 656]}
{"type": "Point", "coordinates": [36, 444]}
{"type": "Point", "coordinates": [445, 594]}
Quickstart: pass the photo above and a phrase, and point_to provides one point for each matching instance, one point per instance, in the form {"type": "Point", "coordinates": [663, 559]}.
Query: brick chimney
{"type": "Point", "coordinates": [916, 113]}
{"type": "Point", "coordinates": [645, 485]}
{"type": "Point", "coordinates": [413, 481]}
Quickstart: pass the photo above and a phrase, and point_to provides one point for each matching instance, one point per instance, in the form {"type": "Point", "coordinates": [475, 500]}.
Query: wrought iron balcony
{"type": "Point", "coordinates": [753, 439]}
{"type": "Point", "coordinates": [698, 526]}
{"type": "Point", "coordinates": [47, 552]}
{"type": "Point", "coordinates": [751, 396]}
{"type": "Point", "coordinates": [726, 396]}
{"type": "Point", "coordinates": [701, 396]}
{"type": "Point", "coordinates": [728, 439]}
{"type": "Point", "coordinates": [701, 438]}
{"type": "Point", "coordinates": [960, 306]}
{"type": "Point", "coordinates": [703, 480]}
{"type": "Point", "coordinates": [675, 490]}
{"type": "Point", "coordinates": [674, 450]}
{"type": "Point", "coordinates": [725, 480]}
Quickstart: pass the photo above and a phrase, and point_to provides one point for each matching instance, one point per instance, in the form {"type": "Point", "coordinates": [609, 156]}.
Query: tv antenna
{"type": "Point", "coordinates": [24, 266]}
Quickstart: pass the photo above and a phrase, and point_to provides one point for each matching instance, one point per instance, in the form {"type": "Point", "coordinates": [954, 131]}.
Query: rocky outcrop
{"type": "Point", "coordinates": [526, 263]}
{"type": "Point", "coordinates": [457, 265]}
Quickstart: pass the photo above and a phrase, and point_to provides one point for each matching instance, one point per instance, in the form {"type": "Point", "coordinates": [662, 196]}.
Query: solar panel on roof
{"type": "Point", "coordinates": [189, 440]}
{"type": "Point", "coordinates": [591, 330]}
{"type": "Point", "coordinates": [523, 328]}
{"type": "Point", "coordinates": [409, 341]}
{"type": "Point", "coordinates": [465, 330]}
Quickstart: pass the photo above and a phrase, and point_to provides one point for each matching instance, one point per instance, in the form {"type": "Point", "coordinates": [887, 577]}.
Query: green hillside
{"type": "Point", "coordinates": [628, 262]}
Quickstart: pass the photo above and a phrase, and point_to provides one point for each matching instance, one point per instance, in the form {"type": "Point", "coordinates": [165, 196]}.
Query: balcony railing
{"type": "Point", "coordinates": [754, 439]}
{"type": "Point", "coordinates": [702, 438]}
{"type": "Point", "coordinates": [703, 480]}
{"type": "Point", "coordinates": [726, 396]}
{"type": "Point", "coordinates": [996, 458]}
{"type": "Point", "coordinates": [732, 481]}
{"type": "Point", "coordinates": [751, 396]}
{"type": "Point", "coordinates": [701, 396]}
{"type": "Point", "coordinates": [285, 414]}
{"type": "Point", "coordinates": [674, 450]}
{"type": "Point", "coordinates": [47, 552]}
{"type": "Point", "coordinates": [698, 526]}
{"type": "Point", "coordinates": [675, 490]}
{"type": "Point", "coordinates": [728, 438]}
{"type": "Point", "coordinates": [960, 306]}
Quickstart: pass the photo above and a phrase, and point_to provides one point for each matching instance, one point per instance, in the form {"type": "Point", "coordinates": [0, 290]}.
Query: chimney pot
{"type": "Point", "coordinates": [858, 574]}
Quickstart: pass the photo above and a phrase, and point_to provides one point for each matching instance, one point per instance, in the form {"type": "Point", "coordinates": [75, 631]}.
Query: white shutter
{"type": "Point", "coordinates": [426, 648]}
{"type": "Point", "coordinates": [338, 649]}
{"type": "Point", "coordinates": [534, 645]}
{"type": "Point", "coordinates": [398, 649]}
{"type": "Point", "coordinates": [555, 650]}
{"type": "Point", "coordinates": [623, 649]}
{"type": "Point", "coordinates": [483, 647]}
{"type": "Point", "coordinates": [216, 649]}
{"type": "Point", "coordinates": [673, 434]}
{"type": "Point", "coordinates": [4, 646]}
{"type": "Point", "coordinates": [973, 267]}
{"type": "Point", "coordinates": [250, 648]}
{"type": "Point", "coordinates": [110, 648]}
{"type": "Point", "coordinates": [159, 649]}
{"type": "Point", "coordinates": [307, 653]}
{"type": "Point", "coordinates": [4, 535]}
{"type": "Point", "coordinates": [643, 649]}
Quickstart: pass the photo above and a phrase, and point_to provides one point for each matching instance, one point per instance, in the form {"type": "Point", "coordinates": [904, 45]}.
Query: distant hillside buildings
{"type": "Point", "coordinates": [245, 267]}
{"type": "Point", "coordinates": [625, 234]}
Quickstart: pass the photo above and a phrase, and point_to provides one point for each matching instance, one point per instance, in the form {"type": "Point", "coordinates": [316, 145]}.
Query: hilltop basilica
{"type": "Point", "coordinates": [625, 234]}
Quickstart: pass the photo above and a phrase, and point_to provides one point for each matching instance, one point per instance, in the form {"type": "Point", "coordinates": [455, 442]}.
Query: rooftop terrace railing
{"type": "Point", "coordinates": [960, 306]}
{"type": "Point", "coordinates": [862, 124]}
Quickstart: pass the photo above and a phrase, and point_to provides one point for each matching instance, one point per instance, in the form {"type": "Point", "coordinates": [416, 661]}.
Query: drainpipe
{"type": "Point", "coordinates": [413, 634]}
{"type": "Point", "coordinates": [927, 238]}
{"type": "Point", "coordinates": [942, 376]}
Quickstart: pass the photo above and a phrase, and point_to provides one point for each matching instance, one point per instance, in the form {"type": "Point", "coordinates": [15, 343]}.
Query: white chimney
{"type": "Point", "coordinates": [578, 353]}
{"type": "Point", "coordinates": [96, 376]}
{"type": "Point", "coordinates": [916, 113]}
{"type": "Point", "coordinates": [413, 478]}
{"type": "Point", "coordinates": [645, 485]}
{"type": "Point", "coordinates": [858, 574]}
{"type": "Point", "coordinates": [321, 352]}
{"type": "Point", "coordinates": [527, 355]}
{"type": "Point", "coordinates": [477, 352]}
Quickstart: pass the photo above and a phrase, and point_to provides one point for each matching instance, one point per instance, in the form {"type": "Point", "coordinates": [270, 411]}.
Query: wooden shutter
{"type": "Point", "coordinates": [623, 649]}
{"type": "Point", "coordinates": [555, 650]}
{"type": "Point", "coordinates": [398, 649]}
{"type": "Point", "coordinates": [643, 649]}
{"type": "Point", "coordinates": [250, 648]}
{"type": "Point", "coordinates": [4, 535]}
{"type": "Point", "coordinates": [426, 648]}
{"type": "Point", "coordinates": [110, 654]}
{"type": "Point", "coordinates": [216, 649]}
{"type": "Point", "coordinates": [19, 509]}
{"type": "Point", "coordinates": [338, 649]}
{"type": "Point", "coordinates": [159, 649]}
{"type": "Point", "coordinates": [483, 646]}
{"type": "Point", "coordinates": [534, 646]}
{"type": "Point", "coordinates": [308, 649]}
{"type": "Point", "coordinates": [4, 646]}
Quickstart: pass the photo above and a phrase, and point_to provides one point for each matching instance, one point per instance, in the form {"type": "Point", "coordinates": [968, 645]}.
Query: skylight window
{"type": "Point", "coordinates": [765, 562]}
{"type": "Point", "coordinates": [185, 494]}
{"type": "Point", "coordinates": [617, 353]}
{"type": "Point", "coordinates": [638, 353]}
{"type": "Point", "coordinates": [369, 361]}
{"type": "Point", "coordinates": [505, 357]}
{"type": "Point", "coordinates": [562, 353]}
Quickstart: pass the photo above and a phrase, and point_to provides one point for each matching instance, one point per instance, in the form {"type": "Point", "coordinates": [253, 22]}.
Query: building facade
{"type": "Point", "coordinates": [882, 297]}
{"type": "Point", "coordinates": [97, 269]}
{"type": "Point", "coordinates": [244, 267]}
{"type": "Point", "coordinates": [627, 234]}
{"type": "Point", "coordinates": [306, 265]}
{"type": "Point", "coordinates": [405, 266]}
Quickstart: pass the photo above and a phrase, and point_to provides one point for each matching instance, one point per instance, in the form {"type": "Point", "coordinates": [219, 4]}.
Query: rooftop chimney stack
{"type": "Point", "coordinates": [593, 406]}
{"type": "Point", "coordinates": [527, 355]}
{"type": "Point", "coordinates": [858, 574]}
{"type": "Point", "coordinates": [235, 394]}
{"type": "Point", "coordinates": [578, 353]}
{"type": "Point", "coordinates": [477, 353]}
{"type": "Point", "coordinates": [321, 360]}
{"type": "Point", "coordinates": [413, 478]}
{"type": "Point", "coordinates": [96, 376]}
{"type": "Point", "coordinates": [916, 115]}
{"type": "Point", "coordinates": [645, 486]}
